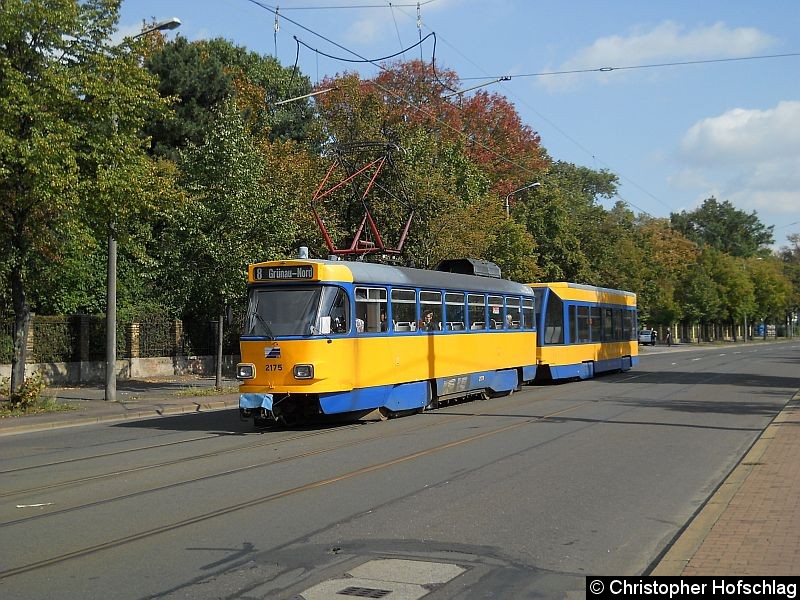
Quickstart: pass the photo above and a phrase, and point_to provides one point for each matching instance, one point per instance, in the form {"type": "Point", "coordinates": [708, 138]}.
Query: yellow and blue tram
{"type": "Point", "coordinates": [584, 330]}
{"type": "Point", "coordinates": [336, 337]}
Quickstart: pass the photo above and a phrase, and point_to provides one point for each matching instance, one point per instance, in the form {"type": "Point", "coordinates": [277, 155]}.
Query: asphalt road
{"type": "Point", "coordinates": [509, 498]}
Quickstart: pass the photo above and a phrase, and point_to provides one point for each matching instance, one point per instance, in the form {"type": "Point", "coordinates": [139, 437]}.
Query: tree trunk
{"type": "Point", "coordinates": [218, 381]}
{"type": "Point", "coordinates": [22, 320]}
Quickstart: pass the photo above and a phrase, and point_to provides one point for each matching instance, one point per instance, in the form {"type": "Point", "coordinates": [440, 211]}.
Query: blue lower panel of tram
{"type": "Point", "coordinates": [415, 395]}
{"type": "Point", "coordinates": [589, 369]}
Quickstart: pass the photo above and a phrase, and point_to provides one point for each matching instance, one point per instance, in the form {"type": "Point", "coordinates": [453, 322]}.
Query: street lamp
{"type": "Point", "coordinates": [524, 187]}
{"type": "Point", "coordinates": [172, 23]}
{"type": "Point", "coordinates": [111, 278]}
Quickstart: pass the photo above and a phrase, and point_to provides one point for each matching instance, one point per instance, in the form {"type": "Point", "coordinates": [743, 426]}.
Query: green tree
{"type": "Point", "coordinates": [70, 148]}
{"type": "Point", "coordinates": [616, 256]}
{"type": "Point", "coordinates": [549, 219]}
{"type": "Point", "coordinates": [513, 249]}
{"type": "Point", "coordinates": [569, 226]}
{"type": "Point", "coordinates": [724, 227]}
{"type": "Point", "coordinates": [734, 287]}
{"type": "Point", "coordinates": [773, 290]}
{"type": "Point", "coordinates": [233, 219]}
{"type": "Point", "coordinates": [791, 264]}
{"type": "Point", "coordinates": [698, 296]}
{"type": "Point", "coordinates": [445, 187]}
{"type": "Point", "coordinates": [204, 73]}
{"type": "Point", "coordinates": [667, 257]}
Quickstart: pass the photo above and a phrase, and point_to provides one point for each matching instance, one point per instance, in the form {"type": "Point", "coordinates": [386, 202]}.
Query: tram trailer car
{"type": "Point", "coordinates": [584, 330]}
{"type": "Point", "coordinates": [336, 337]}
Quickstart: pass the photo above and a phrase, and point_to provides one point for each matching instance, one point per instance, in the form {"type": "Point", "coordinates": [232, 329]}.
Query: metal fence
{"type": "Point", "coordinates": [83, 338]}
{"type": "Point", "coordinates": [6, 341]}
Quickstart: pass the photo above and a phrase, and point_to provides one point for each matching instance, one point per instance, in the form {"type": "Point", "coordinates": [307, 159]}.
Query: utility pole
{"type": "Point", "coordinates": [111, 273]}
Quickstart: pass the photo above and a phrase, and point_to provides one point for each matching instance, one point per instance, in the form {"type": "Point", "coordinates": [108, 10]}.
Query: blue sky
{"type": "Point", "coordinates": [675, 135]}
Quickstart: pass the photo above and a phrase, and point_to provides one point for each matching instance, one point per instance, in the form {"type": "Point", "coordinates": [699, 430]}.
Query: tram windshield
{"type": "Point", "coordinates": [296, 310]}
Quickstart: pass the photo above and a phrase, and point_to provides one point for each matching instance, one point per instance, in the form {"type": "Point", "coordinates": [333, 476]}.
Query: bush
{"type": "Point", "coordinates": [28, 393]}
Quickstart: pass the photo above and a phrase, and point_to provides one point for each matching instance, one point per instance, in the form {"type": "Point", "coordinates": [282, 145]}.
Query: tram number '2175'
{"type": "Point", "coordinates": [273, 368]}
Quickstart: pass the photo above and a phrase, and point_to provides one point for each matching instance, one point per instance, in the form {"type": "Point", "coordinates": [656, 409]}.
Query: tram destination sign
{"type": "Point", "coordinates": [285, 273]}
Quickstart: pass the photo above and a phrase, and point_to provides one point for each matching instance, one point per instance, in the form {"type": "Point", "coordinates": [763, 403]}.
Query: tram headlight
{"type": "Point", "coordinates": [304, 371]}
{"type": "Point", "coordinates": [245, 371]}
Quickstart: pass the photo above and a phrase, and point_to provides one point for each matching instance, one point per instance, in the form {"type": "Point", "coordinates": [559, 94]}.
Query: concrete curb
{"type": "Point", "coordinates": [154, 411]}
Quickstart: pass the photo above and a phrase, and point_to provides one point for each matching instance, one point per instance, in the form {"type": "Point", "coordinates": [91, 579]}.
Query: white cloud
{"type": "Point", "coordinates": [745, 136]}
{"type": "Point", "coordinates": [668, 41]}
{"type": "Point", "coordinates": [751, 156]}
{"type": "Point", "coordinates": [689, 178]}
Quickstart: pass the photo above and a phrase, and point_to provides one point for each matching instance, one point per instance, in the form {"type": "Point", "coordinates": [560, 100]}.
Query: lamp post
{"type": "Point", "coordinates": [524, 187]}
{"type": "Point", "coordinates": [111, 276]}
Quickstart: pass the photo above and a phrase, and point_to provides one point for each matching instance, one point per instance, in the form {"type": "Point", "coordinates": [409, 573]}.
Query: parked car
{"type": "Point", "coordinates": [648, 337]}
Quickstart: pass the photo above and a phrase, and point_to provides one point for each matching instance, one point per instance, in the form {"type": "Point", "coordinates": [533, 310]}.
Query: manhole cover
{"type": "Point", "coordinates": [363, 592]}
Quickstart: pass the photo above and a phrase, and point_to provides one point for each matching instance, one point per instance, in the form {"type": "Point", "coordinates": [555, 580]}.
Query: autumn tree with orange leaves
{"type": "Point", "coordinates": [452, 166]}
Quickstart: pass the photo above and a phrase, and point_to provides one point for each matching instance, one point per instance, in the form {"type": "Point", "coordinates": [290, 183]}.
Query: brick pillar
{"type": "Point", "coordinates": [177, 337]}
{"type": "Point", "coordinates": [133, 340]}
{"type": "Point", "coordinates": [29, 341]}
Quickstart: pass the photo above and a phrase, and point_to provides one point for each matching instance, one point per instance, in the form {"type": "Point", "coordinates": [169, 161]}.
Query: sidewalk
{"type": "Point", "coordinates": [751, 525]}
{"type": "Point", "coordinates": [136, 399]}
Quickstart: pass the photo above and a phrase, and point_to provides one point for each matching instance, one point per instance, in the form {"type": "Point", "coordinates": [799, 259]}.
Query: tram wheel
{"type": "Point", "coordinates": [262, 422]}
{"type": "Point", "coordinates": [492, 394]}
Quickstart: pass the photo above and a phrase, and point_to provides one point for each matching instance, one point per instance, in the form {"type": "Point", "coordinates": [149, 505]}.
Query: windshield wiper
{"type": "Point", "coordinates": [262, 321]}
{"type": "Point", "coordinates": [265, 324]}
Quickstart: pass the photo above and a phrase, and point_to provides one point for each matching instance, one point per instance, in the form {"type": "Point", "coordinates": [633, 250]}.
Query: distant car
{"type": "Point", "coordinates": [648, 336]}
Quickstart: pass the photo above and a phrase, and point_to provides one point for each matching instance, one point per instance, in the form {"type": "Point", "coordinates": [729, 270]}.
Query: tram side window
{"type": "Point", "coordinates": [477, 311]}
{"type": "Point", "coordinates": [631, 316]}
{"type": "Point", "coordinates": [618, 325]}
{"type": "Point", "coordinates": [336, 306]}
{"type": "Point", "coordinates": [554, 320]}
{"type": "Point", "coordinates": [528, 314]}
{"type": "Point", "coordinates": [594, 323]}
{"type": "Point", "coordinates": [583, 324]}
{"type": "Point", "coordinates": [538, 295]}
{"type": "Point", "coordinates": [495, 312]}
{"type": "Point", "coordinates": [404, 310]}
{"type": "Point", "coordinates": [370, 310]}
{"type": "Point", "coordinates": [608, 326]}
{"type": "Point", "coordinates": [430, 306]}
{"type": "Point", "coordinates": [455, 311]}
{"type": "Point", "coordinates": [569, 335]}
{"type": "Point", "coordinates": [626, 324]}
{"type": "Point", "coordinates": [513, 315]}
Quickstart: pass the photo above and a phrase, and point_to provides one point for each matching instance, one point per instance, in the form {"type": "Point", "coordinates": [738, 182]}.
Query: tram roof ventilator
{"type": "Point", "coordinates": [470, 266]}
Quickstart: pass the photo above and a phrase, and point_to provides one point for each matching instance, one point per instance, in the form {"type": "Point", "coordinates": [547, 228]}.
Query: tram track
{"type": "Point", "coordinates": [66, 461]}
{"type": "Point", "coordinates": [168, 463]}
{"type": "Point", "coordinates": [178, 461]}
{"type": "Point", "coordinates": [386, 464]}
{"type": "Point", "coordinates": [207, 455]}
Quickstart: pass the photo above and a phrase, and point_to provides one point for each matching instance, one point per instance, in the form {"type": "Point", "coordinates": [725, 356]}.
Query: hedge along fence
{"type": "Point", "coordinates": [82, 338]}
